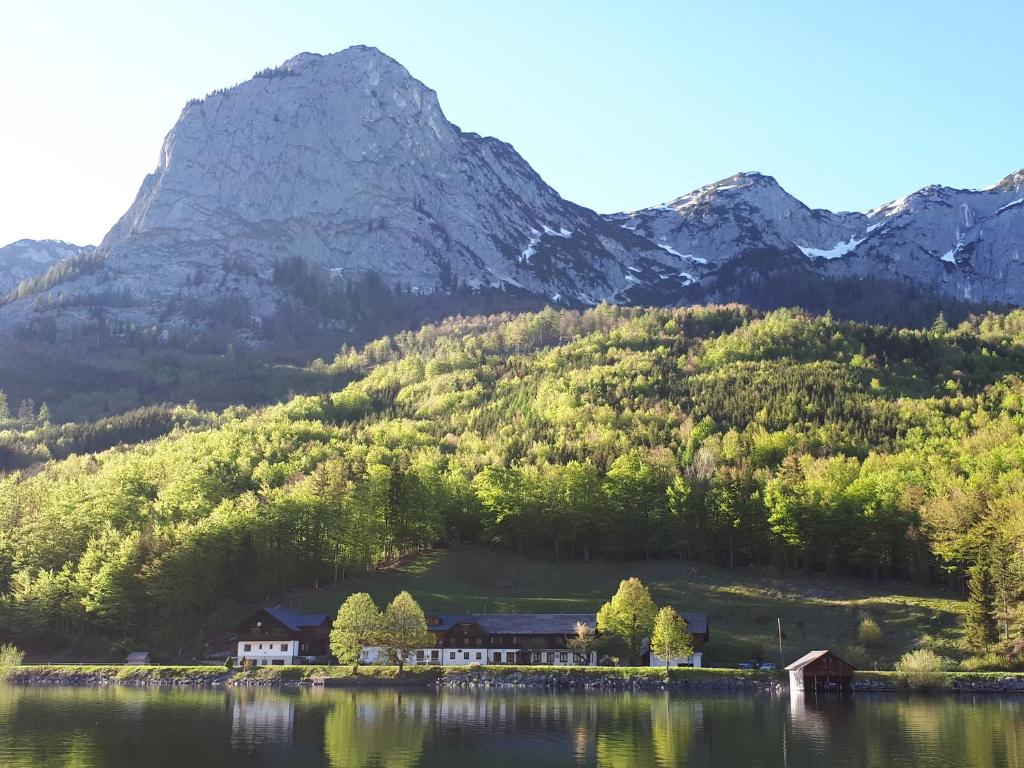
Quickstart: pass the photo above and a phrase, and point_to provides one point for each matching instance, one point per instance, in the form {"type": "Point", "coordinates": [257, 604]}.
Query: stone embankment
{"type": "Point", "coordinates": [605, 679]}
{"type": "Point", "coordinates": [534, 678]}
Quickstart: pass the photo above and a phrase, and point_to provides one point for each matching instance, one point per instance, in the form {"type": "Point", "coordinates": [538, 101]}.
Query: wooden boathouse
{"type": "Point", "coordinates": [820, 671]}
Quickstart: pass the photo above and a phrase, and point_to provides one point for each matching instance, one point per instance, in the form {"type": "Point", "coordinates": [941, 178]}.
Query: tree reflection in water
{"type": "Point", "coordinates": [377, 728]}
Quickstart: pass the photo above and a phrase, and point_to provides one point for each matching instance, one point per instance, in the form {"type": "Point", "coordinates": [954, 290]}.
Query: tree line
{"type": "Point", "coordinates": [717, 434]}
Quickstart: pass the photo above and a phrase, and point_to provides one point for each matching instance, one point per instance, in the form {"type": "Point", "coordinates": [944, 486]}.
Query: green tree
{"type": "Point", "coordinates": [982, 627]}
{"type": "Point", "coordinates": [358, 623]}
{"type": "Point", "coordinates": [670, 639]}
{"type": "Point", "coordinates": [404, 629]}
{"type": "Point", "coordinates": [629, 615]}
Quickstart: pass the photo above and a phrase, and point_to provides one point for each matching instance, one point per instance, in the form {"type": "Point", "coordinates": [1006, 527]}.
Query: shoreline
{"type": "Point", "coordinates": [499, 678]}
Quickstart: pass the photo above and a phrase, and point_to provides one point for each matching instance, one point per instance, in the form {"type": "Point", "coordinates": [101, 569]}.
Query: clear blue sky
{"type": "Point", "coordinates": [618, 105]}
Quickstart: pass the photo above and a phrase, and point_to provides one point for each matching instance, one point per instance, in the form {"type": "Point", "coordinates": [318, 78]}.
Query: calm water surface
{"type": "Point", "coordinates": [114, 727]}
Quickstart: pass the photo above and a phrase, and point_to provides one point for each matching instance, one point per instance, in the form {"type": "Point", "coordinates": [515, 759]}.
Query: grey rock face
{"type": "Point", "coordinates": [347, 162]}
{"type": "Point", "coordinates": [26, 259]}
{"type": "Point", "coordinates": [963, 243]}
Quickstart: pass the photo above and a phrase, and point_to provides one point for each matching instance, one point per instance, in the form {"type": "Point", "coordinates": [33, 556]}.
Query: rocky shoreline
{"type": "Point", "coordinates": [610, 681]}
{"type": "Point", "coordinates": [479, 678]}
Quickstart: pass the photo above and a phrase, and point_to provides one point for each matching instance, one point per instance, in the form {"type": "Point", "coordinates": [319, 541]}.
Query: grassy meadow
{"type": "Point", "coordinates": [742, 604]}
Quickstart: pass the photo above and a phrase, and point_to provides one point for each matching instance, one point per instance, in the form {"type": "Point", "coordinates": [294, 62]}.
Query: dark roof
{"type": "Point", "coordinates": [296, 621]}
{"type": "Point", "coordinates": [813, 656]}
{"type": "Point", "coordinates": [515, 623]}
{"type": "Point", "coordinates": [538, 623]}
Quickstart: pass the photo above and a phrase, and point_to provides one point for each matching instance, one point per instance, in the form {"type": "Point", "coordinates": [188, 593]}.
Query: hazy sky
{"type": "Point", "coordinates": [617, 105]}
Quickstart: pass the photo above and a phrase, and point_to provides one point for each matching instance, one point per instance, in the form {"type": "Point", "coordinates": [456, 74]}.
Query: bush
{"type": "Point", "coordinates": [922, 670]}
{"type": "Point", "coordinates": [990, 662]}
{"type": "Point", "coordinates": [869, 634]}
{"type": "Point", "coordinates": [10, 656]}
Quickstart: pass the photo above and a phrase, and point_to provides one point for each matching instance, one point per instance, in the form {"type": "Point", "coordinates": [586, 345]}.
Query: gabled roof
{"type": "Point", "coordinates": [515, 623]}
{"type": "Point", "coordinates": [538, 623]}
{"type": "Point", "coordinates": [297, 621]}
{"type": "Point", "coordinates": [807, 658]}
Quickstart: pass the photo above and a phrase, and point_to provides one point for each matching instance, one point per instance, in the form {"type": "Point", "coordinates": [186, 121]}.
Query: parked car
{"type": "Point", "coordinates": [767, 666]}
{"type": "Point", "coordinates": [747, 665]}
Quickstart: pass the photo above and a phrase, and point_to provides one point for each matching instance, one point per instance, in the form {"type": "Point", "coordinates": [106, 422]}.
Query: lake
{"type": "Point", "coordinates": [119, 726]}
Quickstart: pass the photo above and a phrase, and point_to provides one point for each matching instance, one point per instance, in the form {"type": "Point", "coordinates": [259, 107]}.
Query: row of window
{"type": "Point", "coordinates": [264, 662]}
{"type": "Point", "coordinates": [270, 646]}
{"type": "Point", "coordinates": [563, 657]}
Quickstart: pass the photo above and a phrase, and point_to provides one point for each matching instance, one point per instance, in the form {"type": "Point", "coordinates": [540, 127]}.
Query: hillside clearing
{"type": "Point", "coordinates": [742, 604]}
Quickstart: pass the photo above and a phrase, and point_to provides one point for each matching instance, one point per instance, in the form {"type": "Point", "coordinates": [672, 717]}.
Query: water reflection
{"type": "Point", "coordinates": [377, 727]}
{"type": "Point", "coordinates": [261, 717]}
{"type": "Point", "coordinates": [130, 728]}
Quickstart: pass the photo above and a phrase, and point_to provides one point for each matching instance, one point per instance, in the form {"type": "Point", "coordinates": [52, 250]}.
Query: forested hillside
{"type": "Point", "coordinates": [718, 434]}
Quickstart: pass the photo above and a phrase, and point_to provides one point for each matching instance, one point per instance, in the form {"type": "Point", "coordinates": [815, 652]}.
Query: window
{"type": "Point", "coordinates": [284, 646]}
{"type": "Point", "coordinates": [551, 657]}
{"type": "Point", "coordinates": [452, 655]}
{"type": "Point", "coordinates": [497, 657]}
{"type": "Point", "coordinates": [563, 657]}
{"type": "Point", "coordinates": [434, 655]}
{"type": "Point", "coordinates": [465, 655]}
{"type": "Point", "coordinates": [478, 655]}
{"type": "Point", "coordinates": [248, 646]}
{"type": "Point", "coordinates": [278, 662]}
{"type": "Point", "coordinates": [419, 656]}
{"type": "Point", "coordinates": [261, 646]}
{"type": "Point", "coordinates": [479, 641]}
{"type": "Point", "coordinates": [263, 661]}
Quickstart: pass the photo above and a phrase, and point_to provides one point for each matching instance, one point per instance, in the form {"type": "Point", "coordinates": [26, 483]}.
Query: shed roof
{"type": "Point", "coordinates": [138, 656]}
{"type": "Point", "coordinates": [811, 657]}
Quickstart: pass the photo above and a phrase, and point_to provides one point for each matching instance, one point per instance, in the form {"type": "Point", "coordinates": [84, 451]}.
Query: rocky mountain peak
{"type": "Point", "coordinates": [1012, 183]}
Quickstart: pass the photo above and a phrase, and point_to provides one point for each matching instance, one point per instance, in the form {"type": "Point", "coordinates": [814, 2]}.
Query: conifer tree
{"type": "Point", "coordinates": [982, 627]}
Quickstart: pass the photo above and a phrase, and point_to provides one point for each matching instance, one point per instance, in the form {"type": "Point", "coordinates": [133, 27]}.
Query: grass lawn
{"type": "Point", "coordinates": [742, 604]}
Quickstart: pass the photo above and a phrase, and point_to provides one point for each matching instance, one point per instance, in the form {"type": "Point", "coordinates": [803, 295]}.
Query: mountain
{"type": "Point", "coordinates": [331, 195]}
{"type": "Point", "coordinates": [960, 243]}
{"type": "Point", "coordinates": [346, 163]}
{"type": "Point", "coordinates": [26, 259]}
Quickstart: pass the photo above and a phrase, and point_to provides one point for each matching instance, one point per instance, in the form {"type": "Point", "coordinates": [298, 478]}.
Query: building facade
{"type": "Point", "coordinates": [520, 638]}
{"type": "Point", "coordinates": [499, 638]}
{"type": "Point", "coordinates": [820, 671]}
{"type": "Point", "coordinates": [278, 637]}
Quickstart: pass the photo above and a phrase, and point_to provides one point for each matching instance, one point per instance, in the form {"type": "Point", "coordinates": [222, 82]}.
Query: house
{"type": "Point", "coordinates": [139, 658]}
{"type": "Point", "coordinates": [697, 623]}
{"type": "Point", "coordinates": [275, 636]}
{"type": "Point", "coordinates": [499, 638]}
{"type": "Point", "coordinates": [513, 638]}
{"type": "Point", "coordinates": [819, 671]}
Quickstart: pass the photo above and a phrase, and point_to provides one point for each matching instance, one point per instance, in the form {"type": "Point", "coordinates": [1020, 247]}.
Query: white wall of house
{"type": "Point", "coordinates": [464, 657]}
{"type": "Point", "coordinates": [694, 661]}
{"type": "Point", "coordinates": [268, 653]}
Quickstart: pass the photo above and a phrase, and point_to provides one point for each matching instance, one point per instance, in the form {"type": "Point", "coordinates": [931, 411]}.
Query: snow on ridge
{"type": "Point", "coordinates": [1014, 204]}
{"type": "Point", "coordinates": [531, 248]}
{"type": "Point", "coordinates": [562, 232]}
{"type": "Point", "coordinates": [835, 252]}
{"type": "Point", "coordinates": [673, 251]}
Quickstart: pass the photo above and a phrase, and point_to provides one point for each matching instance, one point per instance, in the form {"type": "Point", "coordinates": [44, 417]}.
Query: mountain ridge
{"type": "Point", "coordinates": [332, 167]}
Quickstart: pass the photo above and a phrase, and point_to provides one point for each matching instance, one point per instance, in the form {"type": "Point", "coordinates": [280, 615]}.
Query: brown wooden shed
{"type": "Point", "coordinates": [820, 671]}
